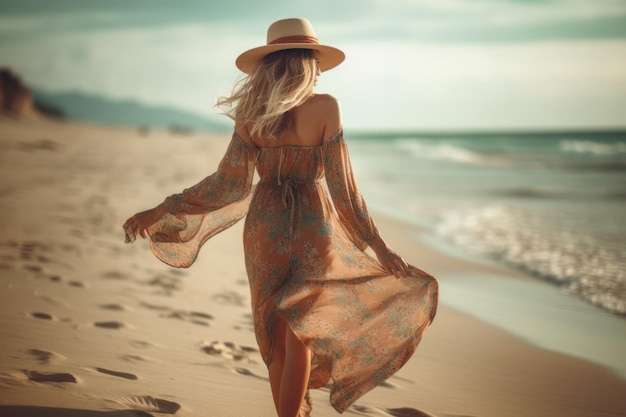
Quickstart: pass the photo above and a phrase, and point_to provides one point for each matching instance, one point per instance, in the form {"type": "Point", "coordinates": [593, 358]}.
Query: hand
{"type": "Point", "coordinates": [389, 259]}
{"type": "Point", "coordinates": [140, 222]}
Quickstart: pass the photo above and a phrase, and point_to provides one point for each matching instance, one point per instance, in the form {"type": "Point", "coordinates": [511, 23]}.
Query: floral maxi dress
{"type": "Point", "coordinates": [306, 262]}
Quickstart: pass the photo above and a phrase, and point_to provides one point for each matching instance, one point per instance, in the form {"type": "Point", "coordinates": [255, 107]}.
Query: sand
{"type": "Point", "coordinates": [90, 326]}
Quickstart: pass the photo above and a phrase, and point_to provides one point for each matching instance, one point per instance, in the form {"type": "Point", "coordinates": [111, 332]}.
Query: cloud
{"type": "Point", "coordinates": [443, 64]}
{"type": "Point", "coordinates": [244, 15]}
{"type": "Point", "coordinates": [185, 66]}
{"type": "Point", "coordinates": [545, 85]}
{"type": "Point", "coordinates": [491, 20]}
{"type": "Point", "coordinates": [441, 20]}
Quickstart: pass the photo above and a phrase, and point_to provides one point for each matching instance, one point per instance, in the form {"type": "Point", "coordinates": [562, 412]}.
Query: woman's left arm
{"type": "Point", "coordinates": [351, 207]}
{"type": "Point", "coordinates": [388, 258]}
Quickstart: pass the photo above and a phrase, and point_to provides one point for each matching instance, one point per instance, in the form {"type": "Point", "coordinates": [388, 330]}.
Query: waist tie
{"type": "Point", "coordinates": [288, 189]}
{"type": "Point", "coordinates": [288, 196]}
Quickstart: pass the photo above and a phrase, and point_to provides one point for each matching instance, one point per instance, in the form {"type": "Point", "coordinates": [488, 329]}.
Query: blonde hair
{"type": "Point", "coordinates": [282, 81]}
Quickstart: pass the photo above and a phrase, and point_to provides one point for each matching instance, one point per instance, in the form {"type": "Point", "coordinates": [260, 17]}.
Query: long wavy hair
{"type": "Point", "coordinates": [284, 80]}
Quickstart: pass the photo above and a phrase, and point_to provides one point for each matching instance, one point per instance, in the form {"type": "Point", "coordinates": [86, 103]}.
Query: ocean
{"type": "Point", "coordinates": [551, 204]}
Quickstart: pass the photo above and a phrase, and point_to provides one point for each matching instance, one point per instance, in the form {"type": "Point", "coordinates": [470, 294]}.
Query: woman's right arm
{"type": "Point", "coordinates": [232, 182]}
{"type": "Point", "coordinates": [139, 223]}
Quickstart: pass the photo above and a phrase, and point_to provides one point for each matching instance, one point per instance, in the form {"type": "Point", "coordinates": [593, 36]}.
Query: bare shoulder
{"type": "Point", "coordinates": [328, 110]}
{"type": "Point", "coordinates": [327, 102]}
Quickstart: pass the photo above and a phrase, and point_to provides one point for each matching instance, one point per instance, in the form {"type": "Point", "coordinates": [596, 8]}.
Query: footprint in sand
{"type": "Point", "coordinates": [388, 412]}
{"type": "Point", "coordinates": [118, 374]}
{"type": "Point", "coordinates": [166, 284]}
{"type": "Point", "coordinates": [247, 372]}
{"type": "Point", "coordinates": [200, 315]}
{"type": "Point", "coordinates": [190, 316]}
{"type": "Point", "coordinates": [407, 412]}
{"type": "Point", "coordinates": [155, 307]}
{"type": "Point", "coordinates": [246, 324]}
{"type": "Point", "coordinates": [32, 251]}
{"type": "Point", "coordinates": [231, 351]}
{"type": "Point", "coordinates": [33, 268]}
{"type": "Point", "coordinates": [149, 403]}
{"type": "Point", "coordinates": [33, 257]}
{"type": "Point", "coordinates": [42, 316]}
{"type": "Point", "coordinates": [26, 250]}
{"type": "Point", "coordinates": [195, 317]}
{"type": "Point", "coordinates": [231, 298]}
{"type": "Point", "coordinates": [45, 357]}
{"type": "Point", "coordinates": [55, 278]}
{"type": "Point", "coordinates": [114, 307]}
{"type": "Point", "coordinates": [121, 276]}
{"type": "Point", "coordinates": [58, 278]}
{"type": "Point", "coordinates": [140, 344]}
{"type": "Point", "coordinates": [110, 324]}
{"type": "Point", "coordinates": [49, 377]}
{"type": "Point", "coordinates": [53, 300]}
{"type": "Point", "coordinates": [136, 358]}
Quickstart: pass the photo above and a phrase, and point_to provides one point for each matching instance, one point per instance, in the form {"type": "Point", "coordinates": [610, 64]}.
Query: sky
{"type": "Point", "coordinates": [411, 64]}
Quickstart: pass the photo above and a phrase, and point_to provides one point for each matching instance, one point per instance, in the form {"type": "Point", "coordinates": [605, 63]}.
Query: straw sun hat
{"type": "Point", "coordinates": [290, 34]}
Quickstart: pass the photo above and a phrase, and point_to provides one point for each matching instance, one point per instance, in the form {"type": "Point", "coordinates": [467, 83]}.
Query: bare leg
{"type": "Point", "coordinates": [296, 372]}
{"type": "Point", "coordinates": [277, 362]}
{"type": "Point", "coordinates": [289, 371]}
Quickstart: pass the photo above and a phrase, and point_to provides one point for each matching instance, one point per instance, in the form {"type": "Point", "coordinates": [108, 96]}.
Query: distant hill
{"type": "Point", "coordinates": [16, 99]}
{"type": "Point", "coordinates": [93, 108]}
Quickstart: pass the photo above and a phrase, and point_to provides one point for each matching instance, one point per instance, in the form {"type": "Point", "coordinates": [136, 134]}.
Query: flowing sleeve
{"type": "Point", "coordinates": [347, 198]}
{"type": "Point", "coordinates": [205, 209]}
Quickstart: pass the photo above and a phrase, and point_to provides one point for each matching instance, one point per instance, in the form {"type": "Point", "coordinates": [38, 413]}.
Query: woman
{"type": "Point", "coordinates": [324, 310]}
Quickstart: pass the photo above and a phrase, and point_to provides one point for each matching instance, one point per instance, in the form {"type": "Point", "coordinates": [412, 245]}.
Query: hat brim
{"type": "Point", "coordinates": [329, 57]}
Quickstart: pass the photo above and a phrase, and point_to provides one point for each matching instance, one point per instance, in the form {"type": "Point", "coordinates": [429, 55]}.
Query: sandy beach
{"type": "Point", "coordinates": [91, 326]}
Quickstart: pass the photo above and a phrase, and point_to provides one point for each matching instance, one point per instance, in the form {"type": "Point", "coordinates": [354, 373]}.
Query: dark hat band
{"type": "Point", "coordinates": [295, 39]}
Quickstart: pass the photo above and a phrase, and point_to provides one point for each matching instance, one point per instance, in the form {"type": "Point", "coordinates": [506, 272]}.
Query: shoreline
{"type": "Point", "coordinates": [525, 306]}
{"type": "Point", "coordinates": [75, 300]}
